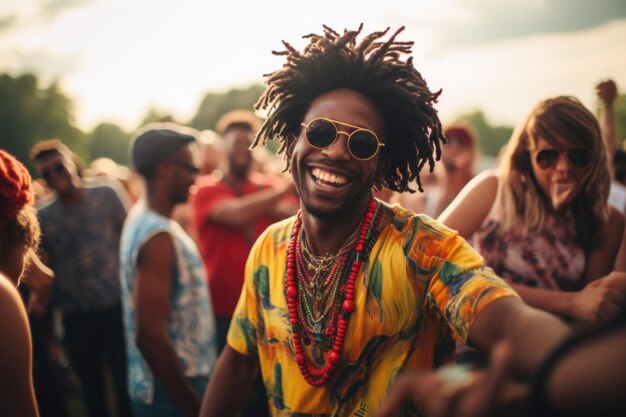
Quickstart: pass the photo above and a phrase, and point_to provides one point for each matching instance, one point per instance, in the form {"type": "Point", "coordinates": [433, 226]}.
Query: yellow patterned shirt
{"type": "Point", "coordinates": [421, 286]}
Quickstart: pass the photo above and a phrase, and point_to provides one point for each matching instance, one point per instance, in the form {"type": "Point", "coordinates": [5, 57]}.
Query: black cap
{"type": "Point", "coordinates": [155, 142]}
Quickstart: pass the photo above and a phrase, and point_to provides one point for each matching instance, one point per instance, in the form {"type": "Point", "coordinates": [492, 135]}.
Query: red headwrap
{"type": "Point", "coordinates": [16, 188]}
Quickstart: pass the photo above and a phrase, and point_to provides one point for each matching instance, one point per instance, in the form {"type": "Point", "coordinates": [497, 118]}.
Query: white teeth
{"type": "Point", "coordinates": [328, 177]}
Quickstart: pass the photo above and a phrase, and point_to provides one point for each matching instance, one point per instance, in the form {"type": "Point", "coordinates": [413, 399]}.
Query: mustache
{"type": "Point", "coordinates": [330, 165]}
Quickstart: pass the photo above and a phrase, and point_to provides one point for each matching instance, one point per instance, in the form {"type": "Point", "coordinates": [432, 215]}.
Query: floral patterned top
{"type": "Point", "coordinates": [549, 259]}
{"type": "Point", "coordinates": [421, 286]}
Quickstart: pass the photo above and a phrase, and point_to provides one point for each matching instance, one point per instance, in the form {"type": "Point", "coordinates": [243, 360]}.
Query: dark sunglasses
{"type": "Point", "coordinates": [187, 166]}
{"type": "Point", "coordinates": [58, 168]}
{"type": "Point", "coordinates": [578, 157]}
{"type": "Point", "coordinates": [363, 144]}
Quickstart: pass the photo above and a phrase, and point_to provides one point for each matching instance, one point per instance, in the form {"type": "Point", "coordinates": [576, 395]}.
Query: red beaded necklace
{"type": "Point", "coordinates": [313, 375]}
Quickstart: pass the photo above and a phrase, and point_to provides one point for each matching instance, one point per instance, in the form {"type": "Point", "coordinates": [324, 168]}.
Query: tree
{"type": "Point", "coordinates": [490, 138]}
{"type": "Point", "coordinates": [109, 140]}
{"type": "Point", "coordinates": [29, 113]}
{"type": "Point", "coordinates": [214, 105]}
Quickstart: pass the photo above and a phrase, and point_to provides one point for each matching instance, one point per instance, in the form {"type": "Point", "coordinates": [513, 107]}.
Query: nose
{"type": "Point", "coordinates": [562, 163]}
{"type": "Point", "coordinates": [339, 149]}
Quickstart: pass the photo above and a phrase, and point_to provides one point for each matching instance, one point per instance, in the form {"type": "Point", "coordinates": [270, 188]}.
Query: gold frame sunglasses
{"type": "Point", "coordinates": [360, 143]}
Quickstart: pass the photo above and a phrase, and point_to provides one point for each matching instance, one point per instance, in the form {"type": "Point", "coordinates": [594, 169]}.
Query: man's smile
{"type": "Point", "coordinates": [328, 179]}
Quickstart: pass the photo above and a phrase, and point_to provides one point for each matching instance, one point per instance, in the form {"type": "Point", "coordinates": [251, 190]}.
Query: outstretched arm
{"type": "Point", "coordinates": [530, 332]}
{"type": "Point", "coordinates": [230, 383]}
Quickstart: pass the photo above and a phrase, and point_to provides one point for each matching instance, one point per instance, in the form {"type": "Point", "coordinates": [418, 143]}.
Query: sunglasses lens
{"type": "Point", "coordinates": [547, 158]}
{"type": "Point", "coordinates": [579, 157]}
{"type": "Point", "coordinates": [321, 133]}
{"type": "Point", "coordinates": [363, 144]}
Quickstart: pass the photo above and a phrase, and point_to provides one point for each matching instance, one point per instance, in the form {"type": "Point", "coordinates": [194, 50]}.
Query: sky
{"type": "Point", "coordinates": [116, 59]}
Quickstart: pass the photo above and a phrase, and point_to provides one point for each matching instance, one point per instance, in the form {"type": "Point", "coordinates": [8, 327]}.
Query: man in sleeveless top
{"type": "Point", "coordinates": [170, 330]}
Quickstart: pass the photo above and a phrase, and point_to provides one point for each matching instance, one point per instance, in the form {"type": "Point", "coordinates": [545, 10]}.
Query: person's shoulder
{"type": "Point", "coordinates": [142, 220]}
{"type": "Point", "coordinates": [11, 307]}
{"type": "Point", "coordinates": [8, 292]}
{"type": "Point", "coordinates": [46, 203]}
{"type": "Point", "coordinates": [102, 187]}
{"type": "Point", "coordinates": [419, 230]}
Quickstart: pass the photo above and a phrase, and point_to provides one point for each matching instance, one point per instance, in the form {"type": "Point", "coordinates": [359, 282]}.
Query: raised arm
{"type": "Point", "coordinates": [152, 309]}
{"type": "Point", "coordinates": [230, 383]}
{"type": "Point", "coordinates": [607, 93]}
{"type": "Point", "coordinates": [242, 211]}
{"type": "Point", "coordinates": [469, 209]}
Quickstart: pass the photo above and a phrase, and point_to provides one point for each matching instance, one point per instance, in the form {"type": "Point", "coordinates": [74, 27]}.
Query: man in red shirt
{"type": "Point", "coordinates": [228, 214]}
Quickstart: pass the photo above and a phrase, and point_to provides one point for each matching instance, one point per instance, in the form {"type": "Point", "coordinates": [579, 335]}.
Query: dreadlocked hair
{"type": "Point", "coordinates": [373, 67]}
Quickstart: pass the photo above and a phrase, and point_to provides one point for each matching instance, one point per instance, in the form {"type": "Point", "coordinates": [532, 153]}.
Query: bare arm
{"type": "Point", "coordinates": [240, 212]}
{"type": "Point", "coordinates": [151, 297]}
{"type": "Point", "coordinates": [39, 279]}
{"type": "Point", "coordinates": [602, 259]}
{"type": "Point", "coordinates": [590, 380]}
{"type": "Point", "coordinates": [17, 396]}
{"type": "Point", "coordinates": [531, 333]}
{"type": "Point", "coordinates": [607, 93]}
{"type": "Point", "coordinates": [597, 302]}
{"type": "Point", "coordinates": [230, 383]}
{"type": "Point", "coordinates": [468, 211]}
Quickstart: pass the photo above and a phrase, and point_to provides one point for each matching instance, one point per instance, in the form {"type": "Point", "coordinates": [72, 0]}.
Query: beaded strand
{"type": "Point", "coordinates": [313, 375]}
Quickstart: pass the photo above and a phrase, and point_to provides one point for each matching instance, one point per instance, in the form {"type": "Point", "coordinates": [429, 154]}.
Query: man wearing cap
{"type": "Point", "coordinates": [81, 223]}
{"type": "Point", "coordinates": [170, 329]}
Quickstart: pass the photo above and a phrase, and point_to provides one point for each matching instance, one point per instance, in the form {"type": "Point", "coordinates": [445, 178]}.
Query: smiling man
{"type": "Point", "coordinates": [81, 225]}
{"type": "Point", "coordinates": [351, 292]}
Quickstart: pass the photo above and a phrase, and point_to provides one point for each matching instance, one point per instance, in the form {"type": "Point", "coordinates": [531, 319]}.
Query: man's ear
{"type": "Point", "coordinates": [384, 164]}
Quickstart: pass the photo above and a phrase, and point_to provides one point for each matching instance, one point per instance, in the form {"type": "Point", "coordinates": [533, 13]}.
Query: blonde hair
{"type": "Point", "coordinates": [521, 200]}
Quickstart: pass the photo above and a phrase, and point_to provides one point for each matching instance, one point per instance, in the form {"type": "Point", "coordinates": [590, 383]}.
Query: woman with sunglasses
{"type": "Point", "coordinates": [19, 233]}
{"type": "Point", "coordinates": [542, 221]}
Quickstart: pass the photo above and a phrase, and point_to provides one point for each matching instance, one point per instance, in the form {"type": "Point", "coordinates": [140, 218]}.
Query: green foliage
{"type": "Point", "coordinates": [214, 105]}
{"type": "Point", "coordinates": [109, 140]}
{"type": "Point", "coordinates": [490, 138]}
{"type": "Point", "coordinates": [155, 115]}
{"type": "Point", "coordinates": [29, 114]}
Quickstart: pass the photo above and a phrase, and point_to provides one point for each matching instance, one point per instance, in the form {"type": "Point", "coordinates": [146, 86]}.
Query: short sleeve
{"type": "Point", "coordinates": [462, 286]}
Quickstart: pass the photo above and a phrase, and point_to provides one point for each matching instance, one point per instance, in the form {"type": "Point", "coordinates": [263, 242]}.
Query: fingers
{"type": "Point", "coordinates": [410, 386]}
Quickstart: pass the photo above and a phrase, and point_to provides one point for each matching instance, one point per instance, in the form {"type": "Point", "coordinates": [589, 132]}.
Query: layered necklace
{"type": "Point", "coordinates": [319, 298]}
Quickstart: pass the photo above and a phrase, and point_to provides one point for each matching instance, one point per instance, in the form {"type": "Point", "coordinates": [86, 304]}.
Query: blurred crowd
{"type": "Point", "coordinates": [133, 273]}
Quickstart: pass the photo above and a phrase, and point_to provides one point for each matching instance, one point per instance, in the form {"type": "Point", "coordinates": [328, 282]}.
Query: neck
{"type": "Point", "coordinates": [326, 237]}
{"type": "Point", "coordinates": [236, 176]}
{"type": "Point", "coordinates": [159, 202]}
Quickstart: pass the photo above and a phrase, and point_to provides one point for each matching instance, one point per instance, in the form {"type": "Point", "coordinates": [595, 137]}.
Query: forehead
{"type": "Point", "coordinates": [347, 106]}
{"type": "Point", "coordinates": [556, 141]}
{"type": "Point", "coordinates": [238, 134]}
